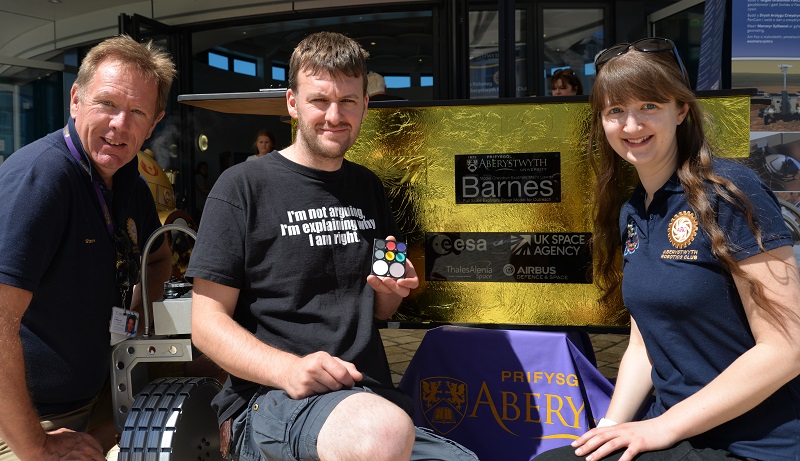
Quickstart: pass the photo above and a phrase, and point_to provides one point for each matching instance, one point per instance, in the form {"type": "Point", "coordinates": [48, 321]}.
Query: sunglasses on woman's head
{"type": "Point", "coordinates": [645, 45]}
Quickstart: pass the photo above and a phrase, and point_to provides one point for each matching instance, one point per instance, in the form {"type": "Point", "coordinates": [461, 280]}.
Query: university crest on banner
{"type": "Point", "coordinates": [444, 402]}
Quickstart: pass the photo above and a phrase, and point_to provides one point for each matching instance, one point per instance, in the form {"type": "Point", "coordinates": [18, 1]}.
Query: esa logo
{"type": "Point", "coordinates": [445, 244]}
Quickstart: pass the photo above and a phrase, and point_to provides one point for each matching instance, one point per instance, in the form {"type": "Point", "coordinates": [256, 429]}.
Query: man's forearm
{"type": "Point", "coordinates": [22, 432]}
{"type": "Point", "coordinates": [386, 305]}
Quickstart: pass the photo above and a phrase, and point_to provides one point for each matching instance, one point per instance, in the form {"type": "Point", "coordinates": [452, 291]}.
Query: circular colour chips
{"type": "Point", "coordinates": [397, 270]}
{"type": "Point", "coordinates": [380, 267]}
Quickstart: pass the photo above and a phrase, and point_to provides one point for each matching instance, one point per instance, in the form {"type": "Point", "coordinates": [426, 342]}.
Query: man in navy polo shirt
{"type": "Point", "coordinates": [74, 218]}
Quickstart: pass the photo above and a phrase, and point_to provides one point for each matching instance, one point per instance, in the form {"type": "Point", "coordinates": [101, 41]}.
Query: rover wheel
{"type": "Point", "coordinates": [172, 420]}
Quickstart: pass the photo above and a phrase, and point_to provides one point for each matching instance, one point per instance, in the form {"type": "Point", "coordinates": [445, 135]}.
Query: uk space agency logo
{"type": "Point", "coordinates": [444, 402]}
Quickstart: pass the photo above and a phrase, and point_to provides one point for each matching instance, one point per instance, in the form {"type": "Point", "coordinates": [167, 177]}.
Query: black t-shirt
{"type": "Point", "coordinates": [297, 243]}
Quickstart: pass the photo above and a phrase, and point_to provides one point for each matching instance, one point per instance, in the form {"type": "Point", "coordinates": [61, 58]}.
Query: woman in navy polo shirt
{"type": "Point", "coordinates": [709, 278]}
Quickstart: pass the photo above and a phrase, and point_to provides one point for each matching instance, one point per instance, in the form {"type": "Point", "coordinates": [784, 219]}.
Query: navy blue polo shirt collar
{"type": "Point", "coordinates": [634, 209]}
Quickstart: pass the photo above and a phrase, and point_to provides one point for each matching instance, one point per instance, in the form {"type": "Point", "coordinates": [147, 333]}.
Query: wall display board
{"type": "Point", "coordinates": [765, 29]}
{"type": "Point", "coordinates": [765, 56]}
{"type": "Point", "coordinates": [510, 243]}
{"type": "Point", "coordinates": [494, 201]}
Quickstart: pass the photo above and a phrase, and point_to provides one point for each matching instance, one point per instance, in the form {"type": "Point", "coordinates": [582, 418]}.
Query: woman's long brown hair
{"type": "Point", "coordinates": [656, 77]}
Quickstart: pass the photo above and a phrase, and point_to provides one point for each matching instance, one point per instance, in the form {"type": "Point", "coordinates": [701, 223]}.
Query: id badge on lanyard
{"type": "Point", "coordinates": [124, 322]}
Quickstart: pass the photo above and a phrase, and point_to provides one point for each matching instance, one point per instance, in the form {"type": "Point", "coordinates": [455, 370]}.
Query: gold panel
{"type": "Point", "coordinates": [412, 150]}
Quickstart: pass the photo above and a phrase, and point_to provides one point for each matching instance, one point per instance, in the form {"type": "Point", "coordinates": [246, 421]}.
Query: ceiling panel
{"type": "Point", "coordinates": [44, 10]}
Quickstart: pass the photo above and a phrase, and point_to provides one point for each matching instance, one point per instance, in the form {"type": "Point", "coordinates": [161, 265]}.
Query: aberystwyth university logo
{"type": "Point", "coordinates": [444, 402]}
{"type": "Point", "coordinates": [536, 404]}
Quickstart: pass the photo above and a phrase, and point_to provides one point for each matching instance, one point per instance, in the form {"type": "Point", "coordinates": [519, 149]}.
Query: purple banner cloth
{"type": "Point", "coordinates": [506, 394]}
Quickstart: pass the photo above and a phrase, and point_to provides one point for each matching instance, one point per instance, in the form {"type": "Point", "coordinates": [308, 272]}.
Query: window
{"type": "Point", "coordinates": [400, 43]}
{"type": "Point", "coordinates": [484, 51]}
{"type": "Point", "coordinates": [683, 24]}
{"type": "Point", "coordinates": [217, 60]}
{"type": "Point", "coordinates": [571, 38]}
{"type": "Point", "coordinates": [397, 81]}
{"type": "Point", "coordinates": [279, 73]}
{"type": "Point", "coordinates": [241, 66]}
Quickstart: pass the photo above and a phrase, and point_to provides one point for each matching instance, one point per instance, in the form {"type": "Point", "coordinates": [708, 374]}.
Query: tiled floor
{"type": "Point", "coordinates": [608, 350]}
{"type": "Point", "coordinates": [401, 344]}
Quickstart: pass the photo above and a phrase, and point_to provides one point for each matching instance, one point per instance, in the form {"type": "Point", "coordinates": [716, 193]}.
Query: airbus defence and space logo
{"type": "Point", "coordinates": [561, 257]}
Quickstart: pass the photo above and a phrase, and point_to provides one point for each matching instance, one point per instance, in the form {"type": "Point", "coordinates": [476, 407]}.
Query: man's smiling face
{"type": "Point", "coordinates": [114, 115]}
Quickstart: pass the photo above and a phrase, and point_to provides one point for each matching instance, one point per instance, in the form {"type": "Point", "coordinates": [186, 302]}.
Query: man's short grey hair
{"type": "Point", "coordinates": [153, 64]}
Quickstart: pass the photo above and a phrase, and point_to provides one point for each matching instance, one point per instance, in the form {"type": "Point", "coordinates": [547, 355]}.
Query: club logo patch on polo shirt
{"type": "Point", "coordinates": [133, 234]}
{"type": "Point", "coordinates": [632, 242]}
{"type": "Point", "coordinates": [682, 229]}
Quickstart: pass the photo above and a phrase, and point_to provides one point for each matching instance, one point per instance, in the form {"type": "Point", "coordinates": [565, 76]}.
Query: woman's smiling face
{"type": "Point", "coordinates": [643, 133]}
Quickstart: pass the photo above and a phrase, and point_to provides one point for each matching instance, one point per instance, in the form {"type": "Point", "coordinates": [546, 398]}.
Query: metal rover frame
{"type": "Point", "coordinates": [169, 418]}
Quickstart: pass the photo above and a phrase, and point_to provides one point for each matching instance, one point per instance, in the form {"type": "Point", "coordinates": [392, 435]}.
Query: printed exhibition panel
{"type": "Point", "coordinates": [495, 203]}
{"type": "Point", "coordinates": [765, 56]}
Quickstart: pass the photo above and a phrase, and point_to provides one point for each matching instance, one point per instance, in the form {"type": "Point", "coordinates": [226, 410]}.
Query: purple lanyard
{"type": "Point", "coordinates": [100, 196]}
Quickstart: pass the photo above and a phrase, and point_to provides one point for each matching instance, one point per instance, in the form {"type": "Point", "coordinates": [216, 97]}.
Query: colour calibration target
{"type": "Point", "coordinates": [389, 258]}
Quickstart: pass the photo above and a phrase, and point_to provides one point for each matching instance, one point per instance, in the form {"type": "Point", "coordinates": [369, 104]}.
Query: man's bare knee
{"type": "Point", "coordinates": [366, 427]}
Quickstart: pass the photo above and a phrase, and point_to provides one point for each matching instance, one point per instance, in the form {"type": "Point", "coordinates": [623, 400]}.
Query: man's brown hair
{"type": "Point", "coordinates": [328, 53]}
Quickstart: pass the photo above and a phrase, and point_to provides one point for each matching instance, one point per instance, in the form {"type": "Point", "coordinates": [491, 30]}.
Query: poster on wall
{"type": "Point", "coordinates": [775, 156]}
{"type": "Point", "coordinates": [765, 29]}
{"type": "Point", "coordinates": [765, 56]}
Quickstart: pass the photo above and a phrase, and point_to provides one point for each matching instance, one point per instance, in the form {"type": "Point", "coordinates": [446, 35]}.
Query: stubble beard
{"type": "Point", "coordinates": [317, 149]}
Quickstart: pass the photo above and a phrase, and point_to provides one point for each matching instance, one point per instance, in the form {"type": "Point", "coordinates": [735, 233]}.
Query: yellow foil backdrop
{"type": "Point", "coordinates": [412, 150]}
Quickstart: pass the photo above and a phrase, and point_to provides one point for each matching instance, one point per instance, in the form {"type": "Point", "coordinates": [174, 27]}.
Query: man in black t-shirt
{"type": "Point", "coordinates": [283, 297]}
